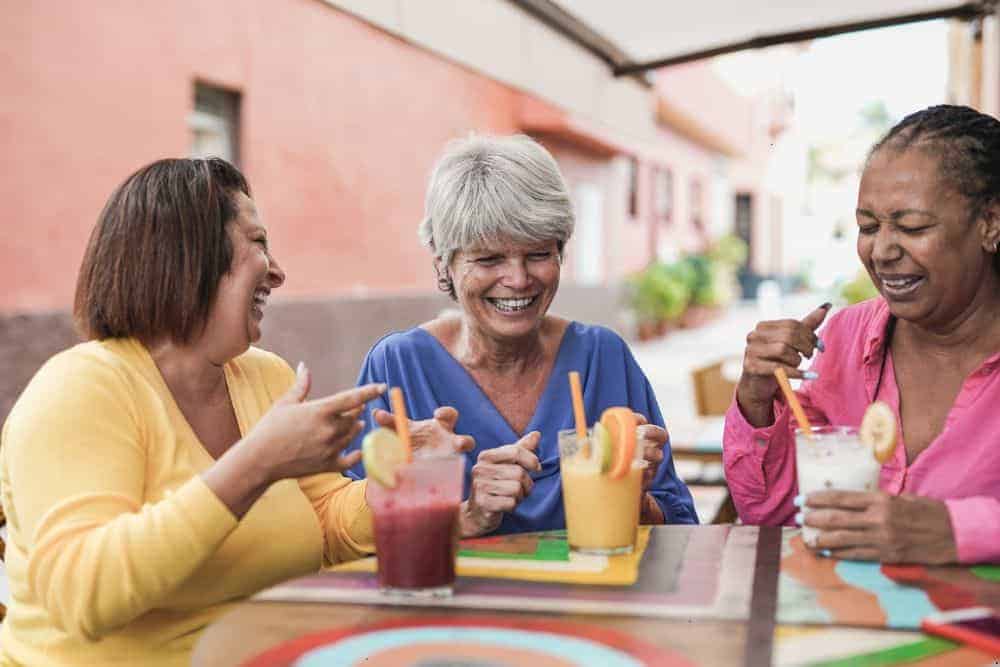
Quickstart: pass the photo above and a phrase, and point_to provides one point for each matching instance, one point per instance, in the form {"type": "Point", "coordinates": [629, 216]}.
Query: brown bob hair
{"type": "Point", "coordinates": [158, 251]}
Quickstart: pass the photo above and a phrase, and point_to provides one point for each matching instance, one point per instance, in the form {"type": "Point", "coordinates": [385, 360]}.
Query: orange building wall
{"type": "Point", "coordinates": [340, 125]}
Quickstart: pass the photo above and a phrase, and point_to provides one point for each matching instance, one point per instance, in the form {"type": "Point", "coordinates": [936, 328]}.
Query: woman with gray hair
{"type": "Point", "coordinates": [497, 220]}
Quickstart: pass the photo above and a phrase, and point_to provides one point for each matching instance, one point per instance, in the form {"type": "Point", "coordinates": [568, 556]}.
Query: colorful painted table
{"type": "Point", "coordinates": [687, 597]}
{"type": "Point", "coordinates": [705, 595]}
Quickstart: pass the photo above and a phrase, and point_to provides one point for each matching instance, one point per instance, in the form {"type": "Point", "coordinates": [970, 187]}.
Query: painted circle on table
{"type": "Point", "coordinates": [468, 642]}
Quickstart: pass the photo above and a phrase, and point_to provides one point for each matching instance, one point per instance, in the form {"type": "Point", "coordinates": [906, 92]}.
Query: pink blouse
{"type": "Point", "coordinates": [961, 466]}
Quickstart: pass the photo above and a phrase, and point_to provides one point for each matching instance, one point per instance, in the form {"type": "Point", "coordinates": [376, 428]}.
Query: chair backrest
{"type": "Point", "coordinates": [713, 391]}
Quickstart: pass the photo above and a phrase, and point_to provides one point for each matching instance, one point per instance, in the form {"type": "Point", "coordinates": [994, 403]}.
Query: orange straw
{"type": "Point", "coordinates": [402, 421]}
{"type": "Point", "coordinates": [576, 393]}
{"type": "Point", "coordinates": [793, 402]}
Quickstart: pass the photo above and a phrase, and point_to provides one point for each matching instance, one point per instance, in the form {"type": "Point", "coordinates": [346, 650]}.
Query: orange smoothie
{"type": "Point", "coordinates": [602, 514]}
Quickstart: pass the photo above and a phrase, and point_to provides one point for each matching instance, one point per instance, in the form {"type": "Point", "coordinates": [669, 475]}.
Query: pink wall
{"type": "Point", "coordinates": [622, 255]}
{"type": "Point", "coordinates": [341, 124]}
{"type": "Point", "coordinates": [696, 89]}
{"type": "Point", "coordinates": [688, 162]}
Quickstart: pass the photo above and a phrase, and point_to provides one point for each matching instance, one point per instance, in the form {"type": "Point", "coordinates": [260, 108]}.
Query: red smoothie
{"type": "Point", "coordinates": [416, 545]}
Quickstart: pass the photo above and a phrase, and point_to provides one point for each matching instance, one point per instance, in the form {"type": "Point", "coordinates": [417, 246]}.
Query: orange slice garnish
{"type": "Point", "coordinates": [620, 424]}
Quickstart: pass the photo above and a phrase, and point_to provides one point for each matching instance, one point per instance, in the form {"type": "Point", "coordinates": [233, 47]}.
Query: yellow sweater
{"type": "Point", "coordinates": [117, 552]}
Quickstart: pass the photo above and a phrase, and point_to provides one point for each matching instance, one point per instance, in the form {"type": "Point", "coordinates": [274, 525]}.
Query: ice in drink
{"type": "Point", "coordinates": [416, 526]}
{"type": "Point", "coordinates": [602, 512]}
{"type": "Point", "coordinates": [834, 458]}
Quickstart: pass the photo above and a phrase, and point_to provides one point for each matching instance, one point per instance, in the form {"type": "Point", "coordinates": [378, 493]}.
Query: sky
{"type": "Point", "coordinates": [831, 81]}
{"type": "Point", "coordinates": [834, 78]}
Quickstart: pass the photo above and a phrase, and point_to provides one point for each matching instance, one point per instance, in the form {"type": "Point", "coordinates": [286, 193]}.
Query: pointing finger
{"type": "Point", "coordinates": [816, 317]}
{"type": "Point", "coordinates": [351, 398]}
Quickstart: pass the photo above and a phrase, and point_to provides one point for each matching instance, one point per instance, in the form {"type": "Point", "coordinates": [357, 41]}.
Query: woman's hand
{"type": "Point", "coordinates": [295, 438]}
{"type": "Point", "coordinates": [862, 525]}
{"type": "Point", "coordinates": [500, 481]}
{"type": "Point", "coordinates": [651, 439]}
{"type": "Point", "coordinates": [436, 432]}
{"type": "Point", "coordinates": [775, 344]}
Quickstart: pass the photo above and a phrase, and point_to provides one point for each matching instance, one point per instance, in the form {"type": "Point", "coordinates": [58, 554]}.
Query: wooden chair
{"type": "Point", "coordinates": [713, 393]}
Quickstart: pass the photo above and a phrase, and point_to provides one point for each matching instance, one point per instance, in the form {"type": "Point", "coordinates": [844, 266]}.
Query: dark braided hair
{"type": "Point", "coordinates": [966, 142]}
{"type": "Point", "coordinates": [967, 145]}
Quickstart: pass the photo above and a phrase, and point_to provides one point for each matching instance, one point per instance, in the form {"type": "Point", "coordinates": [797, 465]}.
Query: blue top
{"type": "Point", "coordinates": [431, 378]}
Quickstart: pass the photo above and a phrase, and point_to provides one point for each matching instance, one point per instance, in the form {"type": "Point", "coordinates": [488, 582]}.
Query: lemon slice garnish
{"type": "Point", "coordinates": [878, 430]}
{"type": "Point", "coordinates": [383, 452]}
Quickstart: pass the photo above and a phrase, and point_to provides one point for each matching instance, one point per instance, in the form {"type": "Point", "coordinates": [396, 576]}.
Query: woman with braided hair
{"type": "Point", "coordinates": [928, 219]}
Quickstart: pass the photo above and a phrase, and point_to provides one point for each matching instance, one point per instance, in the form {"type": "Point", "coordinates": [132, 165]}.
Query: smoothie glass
{"type": "Point", "coordinates": [602, 514]}
{"type": "Point", "coordinates": [416, 525]}
{"type": "Point", "coordinates": [835, 458]}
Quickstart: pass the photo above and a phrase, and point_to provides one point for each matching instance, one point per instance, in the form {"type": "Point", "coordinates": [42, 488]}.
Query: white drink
{"type": "Point", "coordinates": [834, 458]}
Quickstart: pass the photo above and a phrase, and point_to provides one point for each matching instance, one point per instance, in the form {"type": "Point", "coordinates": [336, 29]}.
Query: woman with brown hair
{"type": "Point", "coordinates": [166, 468]}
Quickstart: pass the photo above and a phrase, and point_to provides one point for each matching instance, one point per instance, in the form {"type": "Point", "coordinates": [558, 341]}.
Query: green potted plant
{"type": "Point", "coordinates": [727, 255]}
{"type": "Point", "coordinates": [658, 296]}
{"type": "Point", "coordinates": [712, 276]}
{"type": "Point", "coordinates": [859, 289]}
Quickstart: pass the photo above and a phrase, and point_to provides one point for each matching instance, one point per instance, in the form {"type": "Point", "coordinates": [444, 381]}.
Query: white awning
{"type": "Point", "coordinates": [633, 36]}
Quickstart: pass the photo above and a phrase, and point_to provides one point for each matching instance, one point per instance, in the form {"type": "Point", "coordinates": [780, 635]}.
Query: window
{"type": "Point", "coordinates": [744, 216]}
{"type": "Point", "coordinates": [663, 205]}
{"type": "Point", "coordinates": [589, 247]}
{"type": "Point", "coordinates": [215, 123]}
{"type": "Point", "coordinates": [633, 188]}
{"type": "Point", "coordinates": [744, 223]}
{"type": "Point", "coordinates": [697, 205]}
{"type": "Point", "coordinates": [777, 226]}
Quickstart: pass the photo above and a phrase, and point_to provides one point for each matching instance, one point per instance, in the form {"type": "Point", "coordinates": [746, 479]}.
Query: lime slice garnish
{"type": "Point", "coordinates": [878, 430]}
{"type": "Point", "coordinates": [603, 448]}
{"type": "Point", "coordinates": [383, 452]}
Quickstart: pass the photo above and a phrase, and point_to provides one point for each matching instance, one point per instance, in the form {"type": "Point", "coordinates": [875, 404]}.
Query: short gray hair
{"type": "Point", "coordinates": [487, 189]}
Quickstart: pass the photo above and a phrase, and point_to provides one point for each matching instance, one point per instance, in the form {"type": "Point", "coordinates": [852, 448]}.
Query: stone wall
{"type": "Point", "coordinates": [330, 335]}
{"type": "Point", "coordinates": [26, 341]}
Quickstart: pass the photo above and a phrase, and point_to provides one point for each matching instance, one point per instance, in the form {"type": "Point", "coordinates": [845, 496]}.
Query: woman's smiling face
{"type": "Point", "coordinates": [506, 288]}
{"type": "Point", "coordinates": [234, 321]}
{"type": "Point", "coordinates": [918, 239]}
